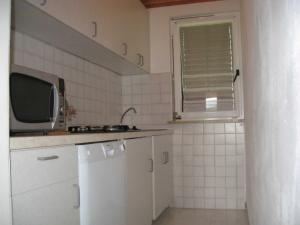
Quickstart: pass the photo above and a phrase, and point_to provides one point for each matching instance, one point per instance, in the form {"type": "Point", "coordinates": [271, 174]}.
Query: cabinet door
{"type": "Point", "coordinates": [110, 16]}
{"type": "Point", "coordinates": [45, 188]}
{"type": "Point", "coordinates": [78, 14]}
{"type": "Point", "coordinates": [35, 168]}
{"type": "Point", "coordinates": [56, 204]}
{"type": "Point", "coordinates": [139, 181]}
{"type": "Point", "coordinates": [38, 3]}
{"type": "Point", "coordinates": [162, 176]}
{"type": "Point", "coordinates": [123, 27]}
{"type": "Point", "coordinates": [137, 32]}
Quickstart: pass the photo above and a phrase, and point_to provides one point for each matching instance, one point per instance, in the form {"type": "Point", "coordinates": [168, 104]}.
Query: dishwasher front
{"type": "Point", "coordinates": [102, 180]}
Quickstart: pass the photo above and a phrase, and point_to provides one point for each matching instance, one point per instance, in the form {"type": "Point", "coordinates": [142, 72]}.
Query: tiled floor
{"type": "Point", "coordinates": [202, 217]}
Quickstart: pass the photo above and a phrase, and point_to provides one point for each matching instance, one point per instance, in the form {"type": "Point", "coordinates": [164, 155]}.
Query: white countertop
{"type": "Point", "coordinates": [18, 143]}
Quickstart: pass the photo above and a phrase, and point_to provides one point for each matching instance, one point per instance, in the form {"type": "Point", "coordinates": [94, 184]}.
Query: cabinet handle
{"type": "Point", "coordinates": [139, 59]}
{"type": "Point", "coordinates": [77, 205]}
{"type": "Point", "coordinates": [167, 153]}
{"type": "Point", "coordinates": [43, 2]}
{"type": "Point", "coordinates": [142, 60]}
{"type": "Point", "coordinates": [45, 158]}
{"type": "Point", "coordinates": [95, 29]}
{"type": "Point", "coordinates": [151, 166]}
{"type": "Point", "coordinates": [165, 158]}
{"type": "Point", "coordinates": [125, 52]}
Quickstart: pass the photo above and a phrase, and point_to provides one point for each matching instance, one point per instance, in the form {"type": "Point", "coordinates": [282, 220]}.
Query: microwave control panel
{"type": "Point", "coordinates": [61, 111]}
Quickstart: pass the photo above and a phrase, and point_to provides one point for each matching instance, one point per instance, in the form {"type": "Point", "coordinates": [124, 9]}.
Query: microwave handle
{"type": "Point", "coordinates": [55, 104]}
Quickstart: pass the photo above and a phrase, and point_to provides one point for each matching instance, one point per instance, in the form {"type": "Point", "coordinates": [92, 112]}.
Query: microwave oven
{"type": "Point", "coordinates": [37, 101]}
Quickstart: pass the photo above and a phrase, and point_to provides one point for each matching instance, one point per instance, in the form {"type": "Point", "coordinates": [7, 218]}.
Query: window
{"type": "Point", "coordinates": [206, 61]}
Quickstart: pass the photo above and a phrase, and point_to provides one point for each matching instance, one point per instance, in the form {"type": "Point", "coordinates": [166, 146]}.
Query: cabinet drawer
{"type": "Point", "coordinates": [56, 204]}
{"type": "Point", "coordinates": [36, 168]}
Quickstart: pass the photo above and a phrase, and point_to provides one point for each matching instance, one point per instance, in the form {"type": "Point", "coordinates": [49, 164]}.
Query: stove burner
{"type": "Point", "coordinates": [101, 129]}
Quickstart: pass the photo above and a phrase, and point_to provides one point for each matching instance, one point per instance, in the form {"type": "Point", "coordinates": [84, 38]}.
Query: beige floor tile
{"type": "Point", "coordinates": [202, 217]}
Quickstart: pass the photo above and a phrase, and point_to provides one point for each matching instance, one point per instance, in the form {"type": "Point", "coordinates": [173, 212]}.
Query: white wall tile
{"type": "Point", "coordinates": [220, 203]}
{"type": "Point", "coordinates": [81, 86]}
{"type": "Point", "coordinates": [210, 203]}
{"type": "Point", "coordinates": [209, 193]}
{"type": "Point", "coordinates": [230, 139]}
{"type": "Point", "coordinates": [199, 171]}
{"type": "Point", "coordinates": [198, 128]}
{"type": "Point", "coordinates": [219, 128]}
{"type": "Point", "coordinates": [199, 181]}
{"type": "Point", "coordinates": [187, 139]}
{"type": "Point", "coordinates": [209, 150]}
{"type": "Point", "coordinates": [220, 160]}
{"type": "Point", "coordinates": [209, 128]}
{"type": "Point", "coordinates": [199, 203]}
{"type": "Point", "coordinates": [220, 150]}
{"type": "Point", "coordinates": [239, 128]}
{"type": "Point", "coordinates": [221, 192]}
{"type": "Point", "coordinates": [198, 139]}
{"type": "Point", "coordinates": [205, 154]}
{"type": "Point", "coordinates": [208, 139]}
{"type": "Point", "coordinates": [188, 203]}
{"type": "Point", "coordinates": [220, 139]}
{"type": "Point", "coordinates": [230, 128]}
{"type": "Point", "coordinates": [240, 138]}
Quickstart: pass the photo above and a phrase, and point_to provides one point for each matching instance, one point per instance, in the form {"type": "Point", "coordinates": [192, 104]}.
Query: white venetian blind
{"type": "Point", "coordinates": [207, 68]}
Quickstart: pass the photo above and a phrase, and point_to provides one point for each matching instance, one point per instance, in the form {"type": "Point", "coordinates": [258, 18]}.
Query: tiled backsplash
{"type": "Point", "coordinates": [209, 167]}
{"type": "Point", "coordinates": [208, 158]}
{"type": "Point", "coordinates": [93, 91]}
{"type": "Point", "coordinates": [151, 95]}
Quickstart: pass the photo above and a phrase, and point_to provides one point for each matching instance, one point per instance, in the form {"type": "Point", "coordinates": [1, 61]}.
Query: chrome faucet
{"type": "Point", "coordinates": [123, 115]}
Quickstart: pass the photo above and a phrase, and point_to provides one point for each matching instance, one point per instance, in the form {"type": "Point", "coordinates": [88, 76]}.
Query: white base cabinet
{"type": "Point", "coordinates": [45, 188]}
{"type": "Point", "coordinates": [162, 176]}
{"type": "Point", "coordinates": [52, 205]}
{"type": "Point", "coordinates": [139, 181]}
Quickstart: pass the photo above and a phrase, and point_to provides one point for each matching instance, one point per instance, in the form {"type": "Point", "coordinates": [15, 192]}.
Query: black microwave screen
{"type": "Point", "coordinates": [32, 99]}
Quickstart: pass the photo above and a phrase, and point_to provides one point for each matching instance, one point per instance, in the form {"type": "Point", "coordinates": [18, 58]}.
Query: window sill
{"type": "Point", "coordinates": [207, 120]}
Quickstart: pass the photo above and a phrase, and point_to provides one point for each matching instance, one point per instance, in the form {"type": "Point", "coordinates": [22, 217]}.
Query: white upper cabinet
{"type": "Point", "coordinates": [121, 26]}
{"type": "Point", "coordinates": [136, 31]}
{"type": "Point", "coordinates": [78, 14]}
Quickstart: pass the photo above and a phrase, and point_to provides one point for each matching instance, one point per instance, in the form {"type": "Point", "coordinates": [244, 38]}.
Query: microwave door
{"type": "Point", "coordinates": [55, 105]}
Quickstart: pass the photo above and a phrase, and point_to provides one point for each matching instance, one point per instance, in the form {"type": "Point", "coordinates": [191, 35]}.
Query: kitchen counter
{"type": "Point", "coordinates": [18, 143]}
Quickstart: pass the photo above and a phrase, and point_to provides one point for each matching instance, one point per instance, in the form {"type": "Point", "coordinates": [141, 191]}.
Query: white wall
{"type": "Point", "coordinates": [160, 28]}
{"type": "Point", "coordinates": [5, 204]}
{"type": "Point", "coordinates": [272, 110]}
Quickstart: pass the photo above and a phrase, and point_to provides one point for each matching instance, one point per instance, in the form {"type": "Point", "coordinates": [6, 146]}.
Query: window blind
{"type": "Point", "coordinates": [207, 68]}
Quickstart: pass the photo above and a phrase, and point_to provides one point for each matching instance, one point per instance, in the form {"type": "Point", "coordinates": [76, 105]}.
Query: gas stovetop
{"type": "Point", "coordinates": [101, 129]}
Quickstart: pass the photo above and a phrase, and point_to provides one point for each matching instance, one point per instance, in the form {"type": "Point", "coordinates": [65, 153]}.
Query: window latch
{"type": "Point", "coordinates": [237, 73]}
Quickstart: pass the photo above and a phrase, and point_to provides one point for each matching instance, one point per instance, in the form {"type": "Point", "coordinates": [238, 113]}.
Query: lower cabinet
{"type": "Point", "coordinates": [139, 181]}
{"type": "Point", "coordinates": [45, 188]}
{"type": "Point", "coordinates": [162, 176]}
{"type": "Point", "coordinates": [56, 204]}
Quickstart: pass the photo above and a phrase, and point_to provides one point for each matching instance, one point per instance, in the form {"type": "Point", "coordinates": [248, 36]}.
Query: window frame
{"type": "Point", "coordinates": [176, 24]}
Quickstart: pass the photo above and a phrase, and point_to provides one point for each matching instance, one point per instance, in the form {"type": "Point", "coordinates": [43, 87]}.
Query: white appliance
{"type": "Point", "coordinates": [102, 176]}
